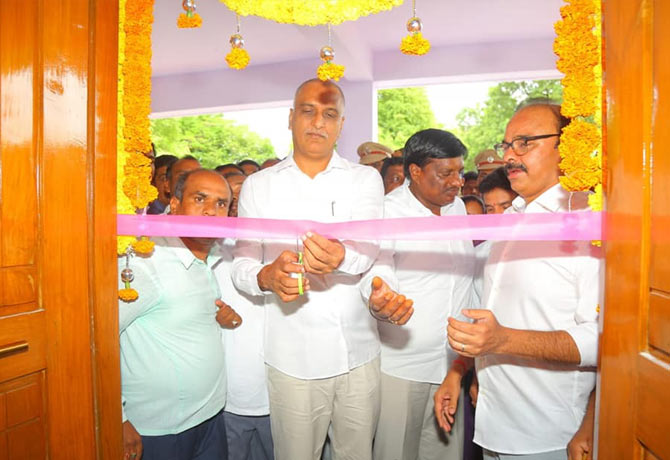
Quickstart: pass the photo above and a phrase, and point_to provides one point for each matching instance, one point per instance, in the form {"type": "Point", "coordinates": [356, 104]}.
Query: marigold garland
{"type": "Point", "coordinates": [578, 47]}
{"type": "Point", "coordinates": [309, 12]}
{"type": "Point", "coordinates": [134, 106]}
{"type": "Point", "coordinates": [184, 21]}
{"type": "Point", "coordinates": [237, 58]}
{"type": "Point", "coordinates": [414, 44]}
{"type": "Point", "coordinates": [330, 71]}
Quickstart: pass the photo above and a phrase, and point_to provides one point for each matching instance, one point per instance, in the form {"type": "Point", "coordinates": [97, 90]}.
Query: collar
{"type": "Point", "coordinates": [554, 199]}
{"type": "Point", "coordinates": [184, 254]}
{"type": "Point", "coordinates": [419, 206]}
{"type": "Point", "coordinates": [336, 161]}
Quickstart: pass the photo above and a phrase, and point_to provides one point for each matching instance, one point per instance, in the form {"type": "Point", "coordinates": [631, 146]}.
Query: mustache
{"type": "Point", "coordinates": [511, 165]}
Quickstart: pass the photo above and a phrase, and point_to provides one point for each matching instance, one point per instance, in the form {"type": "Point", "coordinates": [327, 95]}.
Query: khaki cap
{"type": "Point", "coordinates": [488, 160]}
{"type": "Point", "coordinates": [372, 152]}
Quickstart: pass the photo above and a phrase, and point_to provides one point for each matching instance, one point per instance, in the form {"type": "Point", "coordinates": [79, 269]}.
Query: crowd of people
{"type": "Point", "coordinates": [388, 350]}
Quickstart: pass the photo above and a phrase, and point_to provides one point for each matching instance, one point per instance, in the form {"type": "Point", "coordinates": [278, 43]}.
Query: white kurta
{"type": "Point", "coordinates": [245, 366]}
{"type": "Point", "coordinates": [437, 276]}
{"type": "Point", "coordinates": [529, 406]}
{"type": "Point", "coordinates": [329, 330]}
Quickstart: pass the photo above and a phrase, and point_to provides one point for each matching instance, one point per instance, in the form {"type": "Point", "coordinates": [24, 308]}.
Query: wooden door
{"type": "Point", "coordinates": [635, 353]}
{"type": "Point", "coordinates": [59, 379]}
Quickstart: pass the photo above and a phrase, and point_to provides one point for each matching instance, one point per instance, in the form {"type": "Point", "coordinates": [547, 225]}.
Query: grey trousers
{"type": "Point", "coordinates": [407, 428]}
{"type": "Point", "coordinates": [249, 437]}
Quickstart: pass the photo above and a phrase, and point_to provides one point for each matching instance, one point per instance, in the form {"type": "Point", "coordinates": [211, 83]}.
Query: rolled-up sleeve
{"type": "Point", "coordinates": [585, 330]}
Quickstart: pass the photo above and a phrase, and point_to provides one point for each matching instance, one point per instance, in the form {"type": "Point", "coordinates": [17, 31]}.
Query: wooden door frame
{"type": "Point", "coordinates": [78, 68]}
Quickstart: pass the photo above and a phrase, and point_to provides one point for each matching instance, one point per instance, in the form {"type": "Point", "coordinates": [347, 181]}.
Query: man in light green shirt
{"type": "Point", "coordinates": [172, 357]}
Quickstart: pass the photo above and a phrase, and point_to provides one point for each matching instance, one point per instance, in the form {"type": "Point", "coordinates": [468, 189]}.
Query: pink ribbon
{"type": "Point", "coordinates": [576, 226]}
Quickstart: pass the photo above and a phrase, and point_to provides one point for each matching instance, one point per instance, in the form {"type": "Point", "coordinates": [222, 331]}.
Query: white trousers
{"type": "Point", "coordinates": [302, 410]}
{"type": "Point", "coordinates": [407, 428]}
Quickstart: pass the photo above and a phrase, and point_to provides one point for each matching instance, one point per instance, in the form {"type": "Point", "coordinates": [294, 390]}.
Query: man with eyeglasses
{"type": "Point", "coordinates": [437, 276]}
{"type": "Point", "coordinates": [535, 339]}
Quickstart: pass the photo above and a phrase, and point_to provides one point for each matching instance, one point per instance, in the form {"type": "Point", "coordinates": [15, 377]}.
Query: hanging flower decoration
{"type": "Point", "coordinates": [237, 58]}
{"type": "Point", "coordinates": [143, 246]}
{"type": "Point", "coordinates": [329, 70]}
{"type": "Point", "coordinates": [414, 44]}
{"type": "Point", "coordinates": [134, 189]}
{"type": "Point", "coordinates": [310, 12]}
{"type": "Point", "coordinates": [134, 106]}
{"type": "Point", "coordinates": [578, 47]}
{"type": "Point", "coordinates": [190, 19]}
{"type": "Point", "coordinates": [127, 294]}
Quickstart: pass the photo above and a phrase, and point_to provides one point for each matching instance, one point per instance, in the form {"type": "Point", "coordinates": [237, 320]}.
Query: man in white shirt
{"type": "Point", "coordinates": [247, 411]}
{"type": "Point", "coordinates": [535, 340]}
{"type": "Point", "coordinates": [437, 275]}
{"type": "Point", "coordinates": [321, 348]}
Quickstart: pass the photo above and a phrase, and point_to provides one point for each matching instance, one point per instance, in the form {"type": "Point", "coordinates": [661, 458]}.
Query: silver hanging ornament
{"type": "Point", "coordinates": [127, 275]}
{"type": "Point", "coordinates": [327, 53]}
{"type": "Point", "coordinates": [414, 25]}
{"type": "Point", "coordinates": [236, 41]}
{"type": "Point", "coordinates": [188, 5]}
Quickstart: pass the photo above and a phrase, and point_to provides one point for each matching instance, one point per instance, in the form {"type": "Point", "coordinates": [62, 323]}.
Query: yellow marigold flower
{"type": "Point", "coordinates": [186, 22]}
{"type": "Point", "coordinates": [596, 199]}
{"type": "Point", "coordinates": [414, 44]}
{"type": "Point", "coordinates": [128, 295]}
{"type": "Point", "coordinates": [309, 12]}
{"type": "Point", "coordinates": [330, 71]}
{"type": "Point", "coordinates": [238, 58]}
{"type": "Point", "coordinates": [122, 243]}
{"type": "Point", "coordinates": [143, 246]}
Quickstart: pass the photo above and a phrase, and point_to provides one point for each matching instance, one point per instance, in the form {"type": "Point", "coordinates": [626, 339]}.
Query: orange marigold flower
{"type": "Point", "coordinates": [186, 22]}
{"type": "Point", "coordinates": [128, 295]}
{"type": "Point", "coordinates": [143, 246]}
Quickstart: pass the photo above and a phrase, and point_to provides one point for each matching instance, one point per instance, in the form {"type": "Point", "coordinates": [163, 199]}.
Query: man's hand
{"type": "Point", "coordinates": [226, 316]}
{"type": "Point", "coordinates": [474, 389]}
{"type": "Point", "coordinates": [446, 400]}
{"type": "Point", "coordinates": [321, 255]}
{"type": "Point", "coordinates": [482, 337]}
{"type": "Point", "coordinates": [276, 277]}
{"type": "Point", "coordinates": [387, 305]}
{"type": "Point", "coordinates": [132, 442]}
{"type": "Point", "coordinates": [580, 446]}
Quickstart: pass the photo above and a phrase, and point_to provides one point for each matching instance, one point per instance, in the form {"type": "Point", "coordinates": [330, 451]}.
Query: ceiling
{"type": "Point", "coordinates": [445, 23]}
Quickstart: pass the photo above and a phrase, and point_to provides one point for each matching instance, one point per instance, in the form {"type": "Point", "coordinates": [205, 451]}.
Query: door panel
{"type": "Point", "coordinates": [635, 345]}
{"type": "Point", "coordinates": [59, 376]}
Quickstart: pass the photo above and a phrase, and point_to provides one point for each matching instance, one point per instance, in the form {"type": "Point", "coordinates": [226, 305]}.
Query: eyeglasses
{"type": "Point", "coordinates": [520, 144]}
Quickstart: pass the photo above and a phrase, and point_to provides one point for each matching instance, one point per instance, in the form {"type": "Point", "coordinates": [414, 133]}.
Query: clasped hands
{"type": "Point", "coordinates": [320, 256]}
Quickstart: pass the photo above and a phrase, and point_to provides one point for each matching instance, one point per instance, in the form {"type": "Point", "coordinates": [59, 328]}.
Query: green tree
{"type": "Point", "coordinates": [482, 126]}
{"type": "Point", "coordinates": [401, 112]}
{"type": "Point", "coordinates": [212, 139]}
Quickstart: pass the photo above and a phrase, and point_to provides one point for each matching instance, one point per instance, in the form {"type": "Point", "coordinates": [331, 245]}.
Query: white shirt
{"type": "Point", "coordinates": [245, 366]}
{"type": "Point", "coordinates": [528, 406]}
{"type": "Point", "coordinates": [482, 251]}
{"type": "Point", "coordinates": [329, 330]}
{"type": "Point", "coordinates": [437, 276]}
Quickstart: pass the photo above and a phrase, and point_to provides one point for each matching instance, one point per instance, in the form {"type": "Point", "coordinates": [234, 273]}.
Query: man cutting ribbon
{"type": "Point", "coordinates": [321, 348]}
